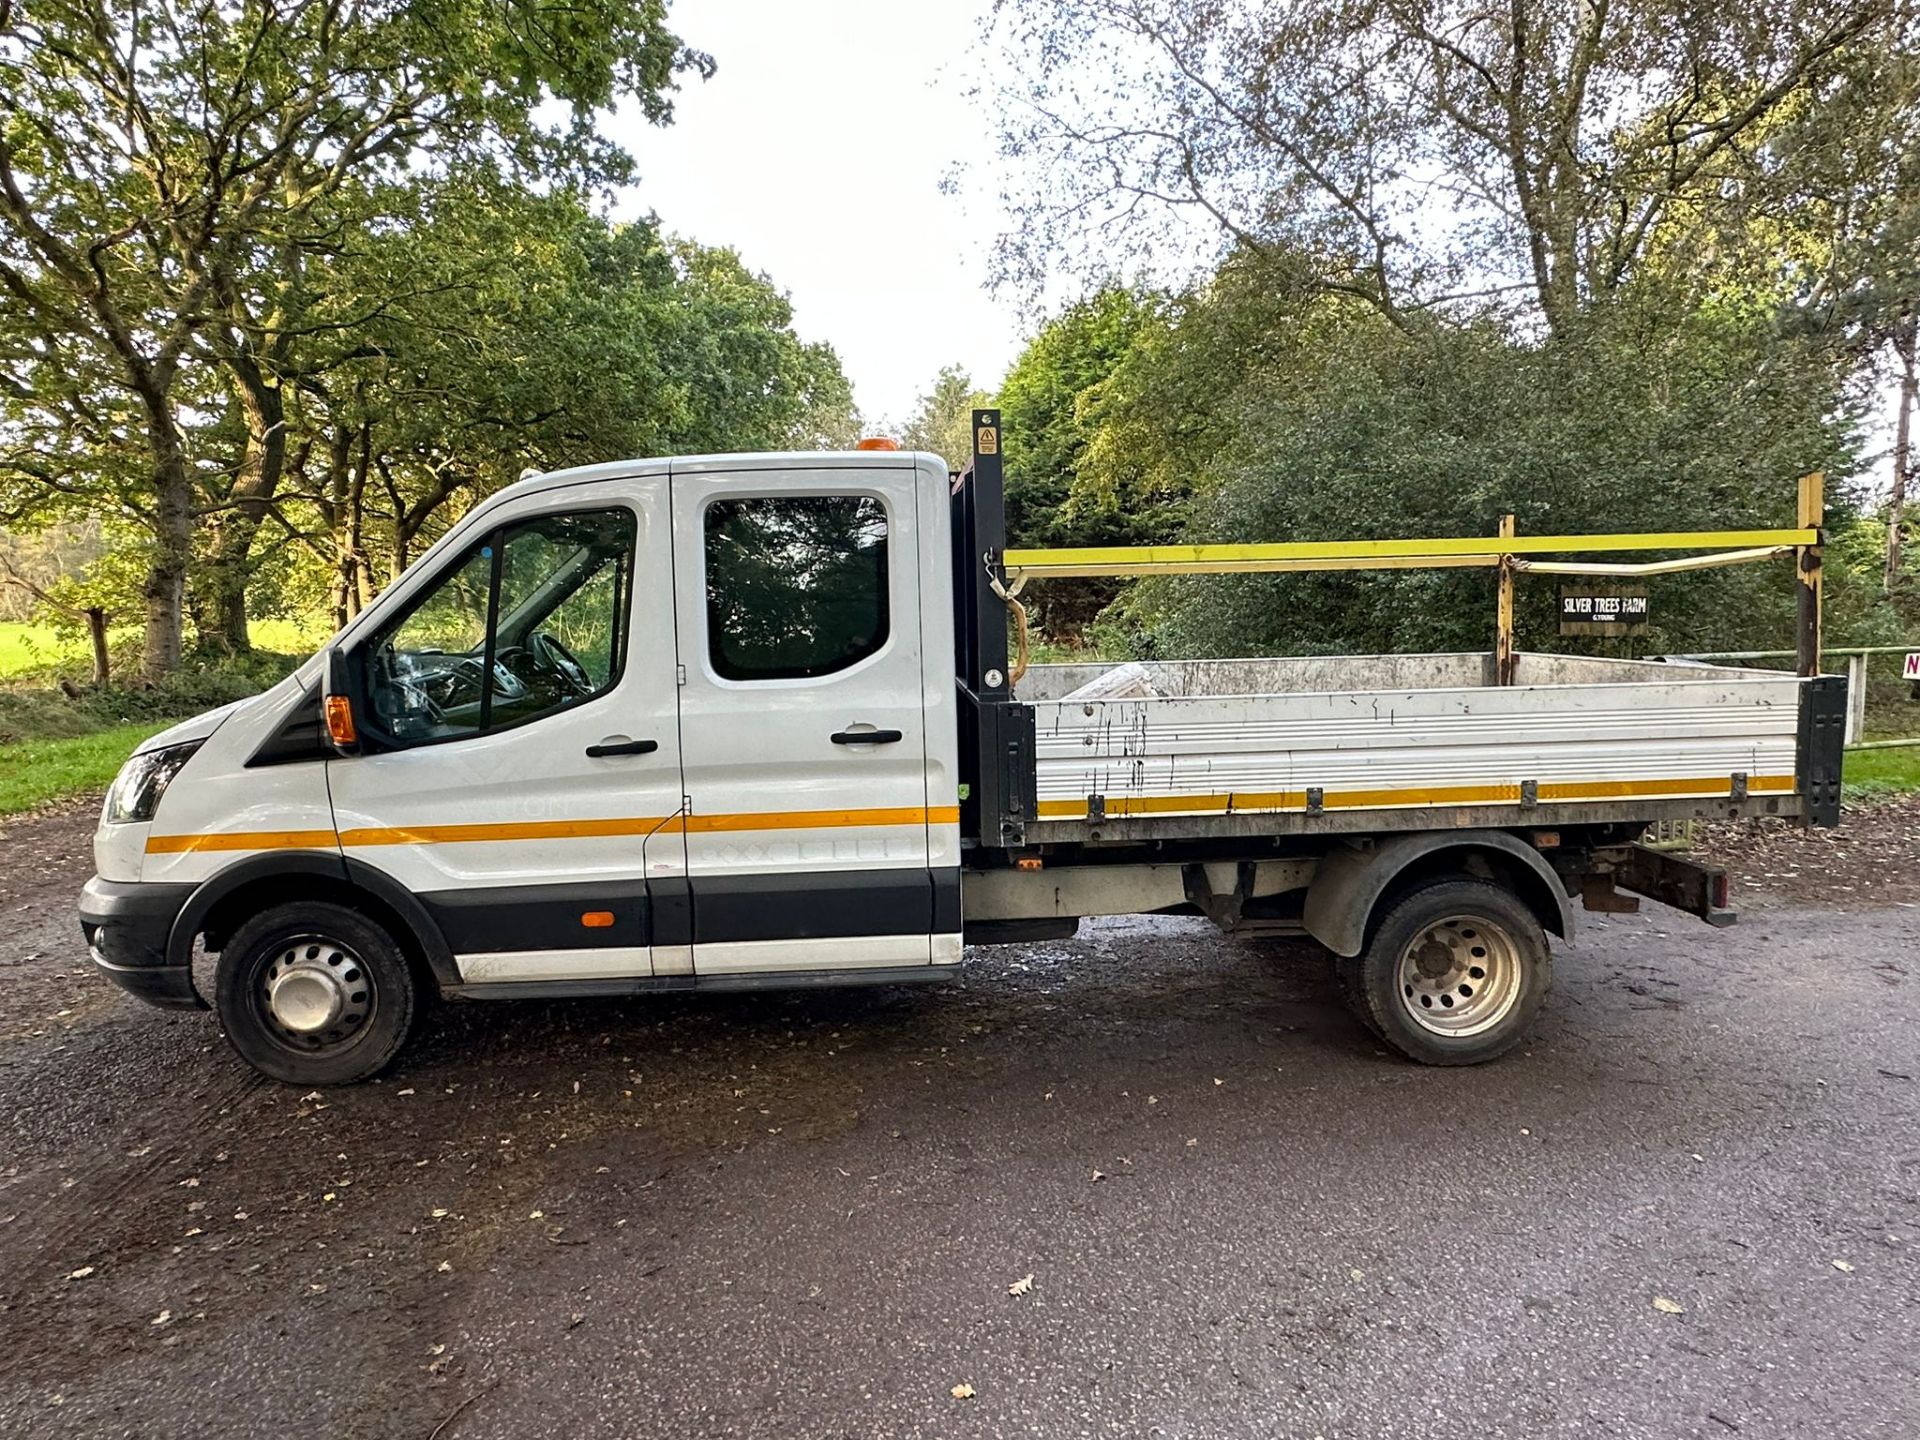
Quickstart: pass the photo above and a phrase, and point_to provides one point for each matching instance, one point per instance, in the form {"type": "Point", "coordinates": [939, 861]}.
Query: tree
{"type": "Point", "coordinates": [1055, 409]}
{"type": "Point", "coordinates": [1306, 418]}
{"type": "Point", "coordinates": [538, 336]}
{"type": "Point", "coordinates": [942, 420]}
{"type": "Point", "coordinates": [1410, 153]}
{"type": "Point", "coordinates": [166, 169]}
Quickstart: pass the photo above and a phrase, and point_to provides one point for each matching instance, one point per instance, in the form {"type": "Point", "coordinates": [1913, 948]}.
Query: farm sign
{"type": "Point", "coordinates": [1589, 609]}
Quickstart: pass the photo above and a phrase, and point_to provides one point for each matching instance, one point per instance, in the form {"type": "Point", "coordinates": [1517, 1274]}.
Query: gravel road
{"type": "Point", "coordinates": [1690, 1207]}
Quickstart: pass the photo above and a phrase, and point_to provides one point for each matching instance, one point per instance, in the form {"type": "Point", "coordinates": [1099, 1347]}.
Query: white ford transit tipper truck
{"type": "Point", "coordinates": [746, 721]}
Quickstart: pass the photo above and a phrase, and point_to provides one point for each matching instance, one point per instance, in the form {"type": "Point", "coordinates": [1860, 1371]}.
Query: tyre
{"type": "Point", "coordinates": [1455, 973]}
{"type": "Point", "coordinates": [314, 993]}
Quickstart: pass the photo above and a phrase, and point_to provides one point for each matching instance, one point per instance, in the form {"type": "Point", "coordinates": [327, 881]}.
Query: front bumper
{"type": "Point", "coordinates": [128, 928]}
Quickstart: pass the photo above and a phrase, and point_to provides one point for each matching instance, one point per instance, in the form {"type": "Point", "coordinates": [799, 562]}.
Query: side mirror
{"type": "Point", "coordinates": [336, 705]}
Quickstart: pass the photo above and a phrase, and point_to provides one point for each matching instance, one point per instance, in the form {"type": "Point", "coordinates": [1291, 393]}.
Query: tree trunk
{"type": "Point", "coordinates": [261, 468]}
{"type": "Point", "coordinates": [97, 632]}
{"type": "Point", "coordinates": [1906, 342]}
{"type": "Point", "coordinates": [346, 510]}
{"type": "Point", "coordinates": [166, 586]}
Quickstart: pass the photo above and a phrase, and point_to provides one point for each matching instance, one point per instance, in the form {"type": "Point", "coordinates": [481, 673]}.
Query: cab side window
{"type": "Point", "coordinates": [796, 584]}
{"type": "Point", "coordinates": [532, 620]}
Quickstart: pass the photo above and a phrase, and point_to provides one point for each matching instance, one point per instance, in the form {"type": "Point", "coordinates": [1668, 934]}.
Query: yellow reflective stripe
{"type": "Point", "coordinates": [241, 840]}
{"type": "Point", "coordinates": [824, 819]}
{"type": "Point", "coordinates": [548, 829]}
{"type": "Point", "coordinates": [1267, 801]}
{"type": "Point", "coordinates": [1476, 545]}
{"type": "Point", "coordinates": [503, 830]}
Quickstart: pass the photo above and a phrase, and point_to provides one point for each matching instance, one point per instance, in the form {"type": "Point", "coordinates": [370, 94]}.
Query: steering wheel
{"type": "Point", "coordinates": [551, 655]}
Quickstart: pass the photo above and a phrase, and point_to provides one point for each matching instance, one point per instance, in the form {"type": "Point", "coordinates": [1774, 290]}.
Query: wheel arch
{"type": "Point", "coordinates": [225, 900]}
{"type": "Point", "coordinates": [1352, 886]}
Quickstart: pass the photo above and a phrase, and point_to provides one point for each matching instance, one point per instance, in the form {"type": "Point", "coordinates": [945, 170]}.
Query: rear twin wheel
{"type": "Point", "coordinates": [1454, 974]}
{"type": "Point", "coordinates": [314, 993]}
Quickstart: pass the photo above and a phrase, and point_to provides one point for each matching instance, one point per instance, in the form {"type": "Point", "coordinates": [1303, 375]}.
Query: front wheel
{"type": "Point", "coordinates": [1455, 973]}
{"type": "Point", "coordinates": [315, 993]}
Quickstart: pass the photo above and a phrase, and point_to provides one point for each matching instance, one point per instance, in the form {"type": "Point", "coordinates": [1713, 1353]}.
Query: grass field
{"type": "Point", "coordinates": [34, 772]}
{"type": "Point", "coordinates": [27, 650]}
{"type": "Point", "coordinates": [1869, 773]}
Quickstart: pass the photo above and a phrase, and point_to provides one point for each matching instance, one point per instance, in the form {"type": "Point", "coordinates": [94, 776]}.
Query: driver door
{"type": "Point", "coordinates": [524, 776]}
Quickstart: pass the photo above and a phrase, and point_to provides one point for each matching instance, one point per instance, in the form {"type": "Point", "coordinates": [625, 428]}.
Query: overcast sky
{"type": "Point", "coordinates": [817, 152]}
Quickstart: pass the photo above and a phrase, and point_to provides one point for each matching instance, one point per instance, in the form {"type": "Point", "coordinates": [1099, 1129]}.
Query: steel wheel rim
{"type": "Point", "coordinates": [315, 994]}
{"type": "Point", "coordinates": [1460, 976]}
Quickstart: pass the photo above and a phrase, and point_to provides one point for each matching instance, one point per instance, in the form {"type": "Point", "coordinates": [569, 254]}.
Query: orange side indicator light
{"type": "Point", "coordinates": [597, 919]}
{"type": "Point", "coordinates": [1030, 862]}
{"type": "Point", "coordinates": [340, 721]}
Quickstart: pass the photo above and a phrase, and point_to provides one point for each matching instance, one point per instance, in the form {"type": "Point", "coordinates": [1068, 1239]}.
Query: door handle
{"type": "Point", "coordinates": [865, 737]}
{"type": "Point", "coordinates": [620, 745]}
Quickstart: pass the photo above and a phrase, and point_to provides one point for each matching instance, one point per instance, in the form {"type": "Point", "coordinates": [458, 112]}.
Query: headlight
{"type": "Point", "coordinates": [143, 780]}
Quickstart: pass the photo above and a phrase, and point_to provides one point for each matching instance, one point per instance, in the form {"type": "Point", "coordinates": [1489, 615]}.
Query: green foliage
{"type": "Point", "coordinates": [1258, 410]}
{"type": "Point", "coordinates": [207, 210]}
{"type": "Point", "coordinates": [943, 420]}
{"type": "Point", "coordinates": [37, 772]}
{"type": "Point", "coordinates": [203, 680]}
{"type": "Point", "coordinates": [1065, 442]}
{"type": "Point", "coordinates": [1054, 407]}
{"type": "Point", "coordinates": [1872, 774]}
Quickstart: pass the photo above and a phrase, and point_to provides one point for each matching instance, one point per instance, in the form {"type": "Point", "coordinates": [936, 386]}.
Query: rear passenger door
{"type": "Point", "coordinates": [803, 746]}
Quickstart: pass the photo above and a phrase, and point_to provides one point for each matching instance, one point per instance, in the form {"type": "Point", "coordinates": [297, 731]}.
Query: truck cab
{"type": "Point", "coordinates": [630, 725]}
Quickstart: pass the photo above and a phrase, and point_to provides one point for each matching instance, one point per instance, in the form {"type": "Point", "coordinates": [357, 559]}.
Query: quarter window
{"type": "Point", "coordinates": [796, 584]}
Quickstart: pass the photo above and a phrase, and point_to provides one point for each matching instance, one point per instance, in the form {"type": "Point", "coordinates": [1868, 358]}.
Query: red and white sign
{"type": "Point", "coordinates": [1911, 670]}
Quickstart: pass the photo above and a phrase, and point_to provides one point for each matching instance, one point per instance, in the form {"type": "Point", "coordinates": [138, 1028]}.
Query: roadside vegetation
{"type": "Point", "coordinates": [1876, 774]}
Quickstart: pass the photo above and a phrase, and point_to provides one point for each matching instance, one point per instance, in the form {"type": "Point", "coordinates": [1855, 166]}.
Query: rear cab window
{"type": "Point", "coordinates": [797, 585]}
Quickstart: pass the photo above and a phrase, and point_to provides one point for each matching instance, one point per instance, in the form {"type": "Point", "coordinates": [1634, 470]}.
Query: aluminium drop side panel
{"type": "Point", "coordinates": [1327, 752]}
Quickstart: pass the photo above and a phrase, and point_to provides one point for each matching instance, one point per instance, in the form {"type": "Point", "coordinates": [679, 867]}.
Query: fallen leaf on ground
{"type": "Point", "coordinates": [962, 1392]}
{"type": "Point", "coordinates": [1668, 1307]}
{"type": "Point", "coordinates": [1021, 1286]}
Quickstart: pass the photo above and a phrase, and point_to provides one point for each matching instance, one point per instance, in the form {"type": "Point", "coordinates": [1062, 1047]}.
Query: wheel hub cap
{"type": "Point", "coordinates": [1460, 976]}
{"type": "Point", "coordinates": [316, 992]}
{"type": "Point", "coordinates": [306, 998]}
